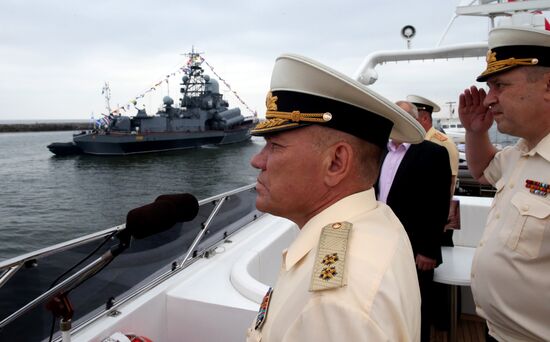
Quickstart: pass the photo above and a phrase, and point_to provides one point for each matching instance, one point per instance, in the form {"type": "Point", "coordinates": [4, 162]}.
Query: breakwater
{"type": "Point", "coordinates": [43, 126]}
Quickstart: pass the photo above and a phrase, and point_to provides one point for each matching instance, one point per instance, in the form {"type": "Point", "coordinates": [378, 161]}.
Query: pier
{"type": "Point", "coordinates": [43, 126]}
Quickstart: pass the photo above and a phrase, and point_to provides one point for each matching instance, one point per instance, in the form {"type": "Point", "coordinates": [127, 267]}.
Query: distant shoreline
{"type": "Point", "coordinates": [43, 127]}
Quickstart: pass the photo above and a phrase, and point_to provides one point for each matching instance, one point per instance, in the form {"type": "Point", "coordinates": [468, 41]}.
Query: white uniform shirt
{"type": "Point", "coordinates": [381, 301]}
{"type": "Point", "coordinates": [511, 268]}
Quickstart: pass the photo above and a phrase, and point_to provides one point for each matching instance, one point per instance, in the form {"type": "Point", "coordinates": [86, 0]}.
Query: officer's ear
{"type": "Point", "coordinates": [339, 163]}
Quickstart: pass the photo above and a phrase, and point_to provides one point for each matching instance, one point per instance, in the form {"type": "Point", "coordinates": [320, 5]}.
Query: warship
{"type": "Point", "coordinates": [202, 117]}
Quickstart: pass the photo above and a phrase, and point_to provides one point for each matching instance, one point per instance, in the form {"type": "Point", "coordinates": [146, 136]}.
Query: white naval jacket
{"type": "Point", "coordinates": [380, 300]}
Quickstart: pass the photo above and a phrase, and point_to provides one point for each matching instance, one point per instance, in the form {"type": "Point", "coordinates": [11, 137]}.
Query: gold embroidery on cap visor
{"type": "Point", "coordinates": [278, 119]}
{"type": "Point", "coordinates": [494, 65]}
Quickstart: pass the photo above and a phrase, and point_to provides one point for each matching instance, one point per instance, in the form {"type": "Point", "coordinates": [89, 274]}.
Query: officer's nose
{"type": "Point", "coordinates": [490, 99]}
{"type": "Point", "coordinates": [258, 161]}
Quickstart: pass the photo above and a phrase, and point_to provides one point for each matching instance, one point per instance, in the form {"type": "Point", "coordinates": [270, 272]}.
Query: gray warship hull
{"type": "Point", "coordinates": [201, 117]}
{"type": "Point", "coordinates": [114, 143]}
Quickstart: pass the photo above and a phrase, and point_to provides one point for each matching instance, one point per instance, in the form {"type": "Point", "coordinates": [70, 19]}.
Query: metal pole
{"type": "Point", "coordinates": [201, 233]}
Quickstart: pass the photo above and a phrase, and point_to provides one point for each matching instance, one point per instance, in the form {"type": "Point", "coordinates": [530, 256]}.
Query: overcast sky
{"type": "Point", "coordinates": [55, 55]}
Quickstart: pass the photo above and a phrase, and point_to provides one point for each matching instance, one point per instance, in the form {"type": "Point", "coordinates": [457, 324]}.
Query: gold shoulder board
{"type": "Point", "coordinates": [440, 136]}
{"type": "Point", "coordinates": [329, 266]}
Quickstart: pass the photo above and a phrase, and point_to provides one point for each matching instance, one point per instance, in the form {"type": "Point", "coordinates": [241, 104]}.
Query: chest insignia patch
{"type": "Point", "coordinates": [537, 188]}
{"type": "Point", "coordinates": [262, 313]}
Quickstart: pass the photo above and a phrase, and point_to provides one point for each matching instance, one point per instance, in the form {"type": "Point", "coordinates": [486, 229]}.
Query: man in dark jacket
{"type": "Point", "coordinates": [414, 181]}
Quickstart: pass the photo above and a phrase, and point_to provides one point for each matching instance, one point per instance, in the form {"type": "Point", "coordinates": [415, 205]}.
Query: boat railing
{"type": "Point", "coordinates": [513, 13]}
{"type": "Point", "coordinates": [367, 74]}
{"type": "Point", "coordinates": [9, 265]}
{"type": "Point", "coordinates": [143, 266]}
{"type": "Point", "coordinates": [16, 262]}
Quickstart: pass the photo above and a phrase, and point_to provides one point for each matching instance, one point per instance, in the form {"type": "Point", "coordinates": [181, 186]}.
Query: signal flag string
{"type": "Point", "coordinates": [229, 87]}
{"type": "Point", "coordinates": [182, 69]}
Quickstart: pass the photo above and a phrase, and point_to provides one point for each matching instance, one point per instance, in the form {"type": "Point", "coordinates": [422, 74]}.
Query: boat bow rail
{"type": "Point", "coordinates": [147, 263]}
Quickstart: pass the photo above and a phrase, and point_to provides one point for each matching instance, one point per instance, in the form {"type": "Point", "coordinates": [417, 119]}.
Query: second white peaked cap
{"type": "Point", "coordinates": [511, 47]}
{"type": "Point", "coordinates": [423, 103]}
{"type": "Point", "coordinates": [305, 92]}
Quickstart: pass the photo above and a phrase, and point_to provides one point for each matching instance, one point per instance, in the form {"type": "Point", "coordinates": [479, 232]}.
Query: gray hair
{"type": "Point", "coordinates": [409, 107]}
{"type": "Point", "coordinates": [535, 73]}
{"type": "Point", "coordinates": [367, 155]}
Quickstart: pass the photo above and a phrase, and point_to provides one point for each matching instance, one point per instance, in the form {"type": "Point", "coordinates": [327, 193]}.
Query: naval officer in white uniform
{"type": "Point", "coordinates": [511, 267]}
{"type": "Point", "coordinates": [350, 273]}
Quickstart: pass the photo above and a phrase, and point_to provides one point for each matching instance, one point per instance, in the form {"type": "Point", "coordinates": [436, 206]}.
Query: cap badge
{"type": "Point", "coordinates": [491, 56]}
{"type": "Point", "coordinates": [295, 116]}
{"type": "Point", "coordinates": [271, 102]}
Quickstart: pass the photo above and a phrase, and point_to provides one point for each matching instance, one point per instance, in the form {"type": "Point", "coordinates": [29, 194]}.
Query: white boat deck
{"type": "Point", "coordinates": [217, 298]}
{"type": "Point", "coordinates": [214, 299]}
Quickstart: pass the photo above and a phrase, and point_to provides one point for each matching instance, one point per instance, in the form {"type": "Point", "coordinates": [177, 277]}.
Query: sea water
{"type": "Point", "coordinates": [45, 199]}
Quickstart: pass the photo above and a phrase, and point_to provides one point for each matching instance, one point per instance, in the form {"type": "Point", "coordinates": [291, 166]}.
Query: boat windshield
{"type": "Point", "coordinates": [144, 261]}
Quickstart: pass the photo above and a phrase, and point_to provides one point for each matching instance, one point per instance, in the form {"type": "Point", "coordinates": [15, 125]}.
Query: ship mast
{"type": "Point", "coordinates": [106, 91]}
{"type": "Point", "coordinates": [451, 108]}
{"type": "Point", "coordinates": [193, 83]}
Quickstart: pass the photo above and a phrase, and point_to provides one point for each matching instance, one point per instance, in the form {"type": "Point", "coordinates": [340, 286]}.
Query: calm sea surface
{"type": "Point", "coordinates": [46, 199]}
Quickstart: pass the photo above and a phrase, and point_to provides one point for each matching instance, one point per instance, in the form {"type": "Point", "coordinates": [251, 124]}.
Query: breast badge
{"type": "Point", "coordinates": [262, 313]}
{"type": "Point", "coordinates": [537, 188]}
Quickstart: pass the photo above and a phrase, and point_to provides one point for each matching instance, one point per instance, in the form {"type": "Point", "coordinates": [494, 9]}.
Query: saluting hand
{"type": "Point", "coordinates": [473, 114]}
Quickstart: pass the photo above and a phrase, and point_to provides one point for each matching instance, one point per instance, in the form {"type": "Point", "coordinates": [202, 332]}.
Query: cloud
{"type": "Point", "coordinates": [56, 55]}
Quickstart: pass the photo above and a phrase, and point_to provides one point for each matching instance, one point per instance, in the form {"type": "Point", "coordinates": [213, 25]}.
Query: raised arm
{"type": "Point", "coordinates": [476, 119]}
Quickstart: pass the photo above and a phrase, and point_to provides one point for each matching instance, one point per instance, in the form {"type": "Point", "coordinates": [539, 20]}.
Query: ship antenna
{"type": "Point", "coordinates": [451, 108]}
{"type": "Point", "coordinates": [107, 92]}
{"type": "Point", "coordinates": [194, 81]}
